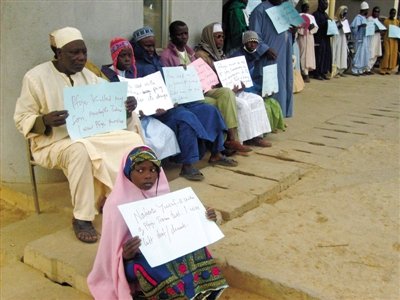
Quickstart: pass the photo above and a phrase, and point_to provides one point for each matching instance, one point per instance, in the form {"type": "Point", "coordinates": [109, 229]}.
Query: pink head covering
{"type": "Point", "coordinates": [107, 279]}
{"type": "Point", "coordinates": [116, 46]}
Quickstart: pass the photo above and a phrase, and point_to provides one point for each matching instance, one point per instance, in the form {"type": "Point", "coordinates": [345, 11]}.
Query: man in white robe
{"type": "Point", "coordinates": [375, 45]}
{"type": "Point", "coordinates": [90, 164]}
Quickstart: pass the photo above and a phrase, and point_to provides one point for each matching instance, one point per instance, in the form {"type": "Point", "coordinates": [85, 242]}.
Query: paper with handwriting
{"type": "Point", "coordinates": [284, 16]}
{"type": "Point", "coordinates": [207, 76]}
{"type": "Point", "coordinates": [233, 71]}
{"type": "Point", "coordinates": [183, 84]}
{"type": "Point", "coordinates": [150, 92]}
{"type": "Point", "coordinates": [95, 109]}
{"type": "Point", "coordinates": [170, 226]}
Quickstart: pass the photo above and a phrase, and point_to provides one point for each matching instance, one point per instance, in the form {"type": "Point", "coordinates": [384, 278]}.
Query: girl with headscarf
{"type": "Point", "coordinates": [120, 271]}
{"type": "Point", "coordinates": [155, 134]}
{"type": "Point", "coordinates": [339, 43]}
{"type": "Point", "coordinates": [252, 116]}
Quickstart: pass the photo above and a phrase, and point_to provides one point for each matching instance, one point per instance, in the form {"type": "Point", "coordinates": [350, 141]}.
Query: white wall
{"type": "Point", "coordinates": [25, 26]}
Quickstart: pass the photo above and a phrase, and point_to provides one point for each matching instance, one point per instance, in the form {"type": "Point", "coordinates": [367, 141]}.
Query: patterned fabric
{"type": "Point", "coordinates": [139, 155]}
{"type": "Point", "coordinates": [186, 277]}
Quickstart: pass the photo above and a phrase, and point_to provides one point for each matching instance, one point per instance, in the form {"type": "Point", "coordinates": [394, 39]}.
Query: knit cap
{"type": "Point", "coordinates": [142, 33]}
{"type": "Point", "coordinates": [249, 36]}
{"type": "Point", "coordinates": [116, 46]}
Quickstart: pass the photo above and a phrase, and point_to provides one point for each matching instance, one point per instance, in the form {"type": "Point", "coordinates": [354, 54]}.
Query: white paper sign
{"type": "Point", "coordinates": [332, 28]}
{"type": "Point", "coordinates": [233, 71]}
{"type": "Point", "coordinates": [95, 109]}
{"type": "Point", "coordinates": [346, 26]}
{"type": "Point", "coordinates": [394, 32]}
{"type": "Point", "coordinates": [170, 226]}
{"type": "Point", "coordinates": [150, 92]}
{"type": "Point", "coordinates": [183, 85]}
{"type": "Point", "coordinates": [379, 24]}
{"type": "Point", "coordinates": [270, 80]}
{"type": "Point", "coordinates": [370, 29]}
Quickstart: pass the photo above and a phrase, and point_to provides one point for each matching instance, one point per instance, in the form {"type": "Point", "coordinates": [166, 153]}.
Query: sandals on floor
{"type": "Point", "coordinates": [224, 161]}
{"type": "Point", "coordinates": [84, 231]}
{"type": "Point", "coordinates": [192, 174]}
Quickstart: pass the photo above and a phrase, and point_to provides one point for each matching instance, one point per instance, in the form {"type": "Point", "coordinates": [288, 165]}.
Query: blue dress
{"type": "Point", "coordinates": [198, 126]}
{"type": "Point", "coordinates": [282, 44]}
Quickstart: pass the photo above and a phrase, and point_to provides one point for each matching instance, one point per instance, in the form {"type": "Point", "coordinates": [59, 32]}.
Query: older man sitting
{"type": "Point", "coordinates": [90, 164]}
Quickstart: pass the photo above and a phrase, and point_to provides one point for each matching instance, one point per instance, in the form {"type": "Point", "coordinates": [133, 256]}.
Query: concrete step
{"type": "Point", "coordinates": [64, 259]}
{"type": "Point", "coordinates": [35, 285]}
{"type": "Point", "coordinates": [260, 178]}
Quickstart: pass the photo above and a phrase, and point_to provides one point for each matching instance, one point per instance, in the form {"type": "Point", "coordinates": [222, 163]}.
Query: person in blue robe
{"type": "Point", "coordinates": [274, 48]}
{"type": "Point", "coordinates": [361, 42]}
{"type": "Point", "coordinates": [198, 126]}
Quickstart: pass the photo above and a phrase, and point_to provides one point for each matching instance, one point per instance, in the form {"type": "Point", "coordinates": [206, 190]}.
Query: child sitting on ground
{"type": "Point", "coordinates": [121, 271]}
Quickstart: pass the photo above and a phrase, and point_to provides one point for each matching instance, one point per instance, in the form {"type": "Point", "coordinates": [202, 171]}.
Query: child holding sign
{"type": "Point", "coordinates": [157, 135]}
{"type": "Point", "coordinates": [120, 271]}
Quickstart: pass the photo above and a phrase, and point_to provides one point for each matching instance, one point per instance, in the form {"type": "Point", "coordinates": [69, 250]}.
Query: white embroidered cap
{"type": "Point", "coordinates": [65, 35]}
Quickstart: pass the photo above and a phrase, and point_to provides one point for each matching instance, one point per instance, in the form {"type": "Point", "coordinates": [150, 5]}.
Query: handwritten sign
{"type": "Point", "coordinates": [170, 223]}
{"type": "Point", "coordinates": [284, 16]}
{"type": "Point", "coordinates": [95, 109]}
{"type": "Point", "coordinates": [270, 80]}
{"type": "Point", "coordinates": [150, 92]}
{"type": "Point", "coordinates": [346, 26]}
{"type": "Point", "coordinates": [233, 71]}
{"type": "Point", "coordinates": [183, 85]}
{"type": "Point", "coordinates": [370, 29]}
{"type": "Point", "coordinates": [332, 28]}
{"type": "Point", "coordinates": [379, 24]}
{"type": "Point", "coordinates": [207, 76]}
{"type": "Point", "coordinates": [394, 32]}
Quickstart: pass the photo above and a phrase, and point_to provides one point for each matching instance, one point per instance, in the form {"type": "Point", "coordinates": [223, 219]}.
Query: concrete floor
{"type": "Point", "coordinates": [315, 216]}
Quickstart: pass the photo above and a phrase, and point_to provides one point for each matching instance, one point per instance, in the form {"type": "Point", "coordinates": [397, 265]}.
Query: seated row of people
{"type": "Point", "coordinates": [218, 124]}
{"type": "Point", "coordinates": [199, 125]}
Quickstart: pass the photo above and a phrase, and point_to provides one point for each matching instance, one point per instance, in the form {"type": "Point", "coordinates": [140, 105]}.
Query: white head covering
{"type": "Point", "coordinates": [65, 35]}
{"type": "Point", "coordinates": [217, 28]}
{"type": "Point", "coordinates": [364, 5]}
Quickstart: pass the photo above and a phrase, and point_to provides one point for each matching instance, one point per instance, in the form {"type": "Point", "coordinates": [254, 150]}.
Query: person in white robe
{"type": "Point", "coordinates": [252, 116]}
{"type": "Point", "coordinates": [339, 42]}
{"type": "Point", "coordinates": [375, 45]}
{"type": "Point", "coordinates": [90, 164]}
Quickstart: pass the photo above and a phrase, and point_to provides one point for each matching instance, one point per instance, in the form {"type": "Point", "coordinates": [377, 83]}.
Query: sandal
{"type": "Point", "coordinates": [192, 174]}
{"type": "Point", "coordinates": [223, 161]}
{"type": "Point", "coordinates": [84, 231]}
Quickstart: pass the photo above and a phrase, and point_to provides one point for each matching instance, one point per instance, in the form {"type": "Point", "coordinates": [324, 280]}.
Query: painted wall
{"type": "Point", "coordinates": [25, 26]}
